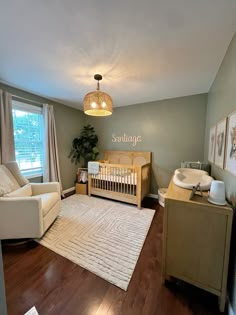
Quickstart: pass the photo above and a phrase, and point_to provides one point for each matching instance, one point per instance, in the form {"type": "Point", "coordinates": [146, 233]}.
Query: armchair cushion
{"type": "Point", "coordinates": [24, 191]}
{"type": "Point", "coordinates": [42, 188]}
{"type": "Point", "coordinates": [14, 169]}
{"type": "Point", "coordinates": [7, 183]}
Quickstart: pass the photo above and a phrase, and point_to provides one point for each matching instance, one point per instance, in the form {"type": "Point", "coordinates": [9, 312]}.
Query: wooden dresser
{"type": "Point", "coordinates": [196, 241]}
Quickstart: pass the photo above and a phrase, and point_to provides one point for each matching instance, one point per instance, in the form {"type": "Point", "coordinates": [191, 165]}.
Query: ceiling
{"type": "Point", "coordinates": [145, 50]}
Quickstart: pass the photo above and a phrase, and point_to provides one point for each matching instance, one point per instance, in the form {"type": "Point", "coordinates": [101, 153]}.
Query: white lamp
{"type": "Point", "coordinates": [217, 193]}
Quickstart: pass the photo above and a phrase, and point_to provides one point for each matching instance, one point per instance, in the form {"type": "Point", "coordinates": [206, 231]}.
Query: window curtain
{"type": "Point", "coordinates": [7, 148]}
{"type": "Point", "coordinates": [51, 161]}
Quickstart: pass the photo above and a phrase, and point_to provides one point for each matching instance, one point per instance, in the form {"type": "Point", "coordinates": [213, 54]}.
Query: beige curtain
{"type": "Point", "coordinates": [51, 161]}
{"type": "Point", "coordinates": [7, 148]}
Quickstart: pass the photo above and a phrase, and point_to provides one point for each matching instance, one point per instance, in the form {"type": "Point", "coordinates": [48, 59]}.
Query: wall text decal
{"type": "Point", "coordinates": [126, 138]}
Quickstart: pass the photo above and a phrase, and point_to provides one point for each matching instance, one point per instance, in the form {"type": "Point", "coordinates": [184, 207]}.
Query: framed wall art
{"type": "Point", "coordinates": [230, 158]}
{"type": "Point", "coordinates": [220, 143]}
{"type": "Point", "coordinates": [211, 146]}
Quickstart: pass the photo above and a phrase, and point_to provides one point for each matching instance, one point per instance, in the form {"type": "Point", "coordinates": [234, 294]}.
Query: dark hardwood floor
{"type": "Point", "coordinates": [34, 275]}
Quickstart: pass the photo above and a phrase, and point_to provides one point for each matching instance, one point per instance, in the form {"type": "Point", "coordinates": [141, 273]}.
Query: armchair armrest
{"type": "Point", "coordinates": [43, 188]}
{"type": "Point", "coordinates": [20, 217]}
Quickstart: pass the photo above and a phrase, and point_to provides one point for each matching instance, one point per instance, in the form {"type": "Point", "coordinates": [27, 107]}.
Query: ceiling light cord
{"type": "Point", "coordinates": [98, 77]}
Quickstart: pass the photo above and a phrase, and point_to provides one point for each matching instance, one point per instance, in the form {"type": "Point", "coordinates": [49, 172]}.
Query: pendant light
{"type": "Point", "coordinates": [98, 103]}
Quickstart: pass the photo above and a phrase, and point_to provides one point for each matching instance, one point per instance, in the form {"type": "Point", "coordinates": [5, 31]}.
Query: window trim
{"type": "Point", "coordinates": [30, 108]}
{"type": "Point", "coordinates": [18, 105]}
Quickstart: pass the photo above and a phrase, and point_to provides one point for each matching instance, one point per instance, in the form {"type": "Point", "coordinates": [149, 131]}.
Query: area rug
{"type": "Point", "coordinates": [102, 236]}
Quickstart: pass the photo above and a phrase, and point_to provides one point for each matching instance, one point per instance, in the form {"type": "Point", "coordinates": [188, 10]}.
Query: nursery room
{"type": "Point", "coordinates": [117, 157]}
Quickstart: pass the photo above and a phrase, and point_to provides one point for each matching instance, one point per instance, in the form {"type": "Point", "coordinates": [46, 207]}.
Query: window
{"type": "Point", "coordinates": [28, 137]}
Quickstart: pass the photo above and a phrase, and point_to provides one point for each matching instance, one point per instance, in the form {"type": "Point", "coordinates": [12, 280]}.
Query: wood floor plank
{"type": "Point", "coordinates": [35, 275]}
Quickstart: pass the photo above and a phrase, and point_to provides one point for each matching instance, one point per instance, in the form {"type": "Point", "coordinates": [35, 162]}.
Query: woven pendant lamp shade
{"type": "Point", "coordinates": [97, 103]}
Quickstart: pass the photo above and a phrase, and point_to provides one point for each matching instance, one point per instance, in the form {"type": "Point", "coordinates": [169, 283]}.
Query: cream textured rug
{"type": "Point", "coordinates": [102, 236]}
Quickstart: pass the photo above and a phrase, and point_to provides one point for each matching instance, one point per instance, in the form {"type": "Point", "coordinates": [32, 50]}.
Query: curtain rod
{"type": "Point", "coordinates": [26, 99]}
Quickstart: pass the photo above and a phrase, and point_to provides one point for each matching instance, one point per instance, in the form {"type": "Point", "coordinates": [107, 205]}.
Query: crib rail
{"type": "Point", "coordinates": [116, 178]}
{"type": "Point", "coordinates": [120, 182]}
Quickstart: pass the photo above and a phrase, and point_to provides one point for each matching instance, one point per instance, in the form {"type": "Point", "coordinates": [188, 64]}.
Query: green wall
{"type": "Point", "coordinates": [173, 130]}
{"type": "Point", "coordinates": [222, 102]}
{"type": "Point", "coordinates": [69, 121]}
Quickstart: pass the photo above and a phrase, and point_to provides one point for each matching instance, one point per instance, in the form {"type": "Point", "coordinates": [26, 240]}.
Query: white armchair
{"type": "Point", "coordinates": [26, 209]}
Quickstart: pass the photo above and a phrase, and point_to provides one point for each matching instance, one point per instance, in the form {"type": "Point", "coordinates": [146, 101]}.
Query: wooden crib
{"type": "Point", "coordinates": [124, 176]}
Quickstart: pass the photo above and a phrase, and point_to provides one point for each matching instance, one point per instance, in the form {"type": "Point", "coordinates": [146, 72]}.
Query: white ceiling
{"type": "Point", "coordinates": [145, 50]}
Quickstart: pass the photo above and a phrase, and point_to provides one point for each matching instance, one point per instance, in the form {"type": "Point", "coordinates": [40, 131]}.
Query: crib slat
{"type": "Point", "coordinates": [110, 182]}
{"type": "Point", "coordinates": [117, 184]}
{"type": "Point", "coordinates": [132, 182]}
{"type": "Point", "coordinates": [124, 175]}
{"type": "Point", "coordinates": [117, 179]}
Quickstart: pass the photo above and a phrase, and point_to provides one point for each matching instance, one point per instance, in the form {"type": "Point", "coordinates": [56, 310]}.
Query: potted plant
{"type": "Point", "coordinates": [85, 146]}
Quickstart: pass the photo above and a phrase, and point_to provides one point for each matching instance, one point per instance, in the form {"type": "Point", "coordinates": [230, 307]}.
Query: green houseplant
{"type": "Point", "coordinates": [85, 146]}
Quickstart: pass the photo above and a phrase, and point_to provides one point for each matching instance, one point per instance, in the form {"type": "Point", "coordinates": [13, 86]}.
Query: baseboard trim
{"type": "Point", "coordinates": [230, 309]}
{"type": "Point", "coordinates": [153, 196]}
{"type": "Point", "coordinates": [66, 191]}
